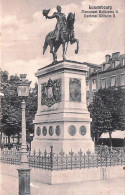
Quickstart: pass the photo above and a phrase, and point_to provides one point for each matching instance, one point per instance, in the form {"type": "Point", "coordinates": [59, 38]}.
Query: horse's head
{"type": "Point", "coordinates": [71, 16]}
{"type": "Point", "coordinates": [70, 20]}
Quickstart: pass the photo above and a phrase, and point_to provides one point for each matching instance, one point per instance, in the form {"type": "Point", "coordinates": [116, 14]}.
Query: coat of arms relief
{"type": "Point", "coordinates": [51, 92]}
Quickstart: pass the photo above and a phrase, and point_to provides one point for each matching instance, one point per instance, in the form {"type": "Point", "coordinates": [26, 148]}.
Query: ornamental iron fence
{"type": "Point", "coordinates": [63, 161]}
{"type": "Point", "coordinates": [106, 149]}
{"type": "Point", "coordinates": [12, 156]}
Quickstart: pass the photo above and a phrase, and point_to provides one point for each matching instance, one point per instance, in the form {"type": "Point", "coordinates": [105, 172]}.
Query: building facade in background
{"type": "Point", "coordinates": [110, 73]}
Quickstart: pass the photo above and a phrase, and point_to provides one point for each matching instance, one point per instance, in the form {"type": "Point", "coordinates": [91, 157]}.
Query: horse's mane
{"type": "Point", "coordinates": [70, 21]}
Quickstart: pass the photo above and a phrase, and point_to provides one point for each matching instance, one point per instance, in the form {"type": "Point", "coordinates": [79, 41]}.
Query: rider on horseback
{"type": "Point", "coordinates": [62, 34]}
{"type": "Point", "coordinates": [61, 21]}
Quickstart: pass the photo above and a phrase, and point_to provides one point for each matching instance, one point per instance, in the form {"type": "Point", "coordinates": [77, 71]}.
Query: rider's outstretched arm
{"type": "Point", "coordinates": [50, 17]}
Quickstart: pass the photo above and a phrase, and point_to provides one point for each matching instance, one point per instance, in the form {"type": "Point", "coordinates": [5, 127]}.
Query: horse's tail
{"type": "Point", "coordinates": [45, 46]}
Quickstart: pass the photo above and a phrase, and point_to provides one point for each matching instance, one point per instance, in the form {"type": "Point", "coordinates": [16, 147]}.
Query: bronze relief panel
{"type": "Point", "coordinates": [75, 90]}
{"type": "Point", "coordinates": [51, 92]}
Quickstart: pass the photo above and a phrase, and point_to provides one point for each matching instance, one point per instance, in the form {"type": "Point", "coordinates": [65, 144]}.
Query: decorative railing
{"type": "Point", "coordinates": [10, 156]}
{"type": "Point", "coordinates": [41, 160]}
{"type": "Point", "coordinates": [63, 161]}
{"type": "Point", "coordinates": [106, 149]}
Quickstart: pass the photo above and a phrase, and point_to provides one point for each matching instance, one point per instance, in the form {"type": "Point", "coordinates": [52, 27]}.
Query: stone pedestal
{"type": "Point", "coordinates": [62, 119]}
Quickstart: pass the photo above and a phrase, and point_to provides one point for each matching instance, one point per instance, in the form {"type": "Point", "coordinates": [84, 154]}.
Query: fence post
{"type": "Point", "coordinates": [110, 159]}
{"type": "Point", "coordinates": [34, 157]}
{"type": "Point", "coordinates": [84, 156]}
{"type": "Point", "coordinates": [51, 157]}
{"type": "Point", "coordinates": [39, 157]}
{"type": "Point", "coordinates": [66, 161]}
{"type": "Point", "coordinates": [106, 159]}
{"type": "Point", "coordinates": [45, 153]}
{"type": "Point", "coordinates": [80, 159]}
{"type": "Point", "coordinates": [88, 159]}
{"type": "Point", "coordinates": [71, 154]}
{"type": "Point", "coordinates": [42, 161]}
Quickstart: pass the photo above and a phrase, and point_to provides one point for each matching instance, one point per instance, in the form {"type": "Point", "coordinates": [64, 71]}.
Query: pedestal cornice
{"type": "Point", "coordinates": [62, 66]}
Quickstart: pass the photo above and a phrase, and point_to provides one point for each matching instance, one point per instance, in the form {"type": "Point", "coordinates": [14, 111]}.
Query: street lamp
{"type": "Point", "coordinates": [24, 170]}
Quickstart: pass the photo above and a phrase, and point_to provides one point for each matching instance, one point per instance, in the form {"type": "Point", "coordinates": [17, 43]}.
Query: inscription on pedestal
{"type": "Point", "coordinates": [51, 92]}
{"type": "Point", "coordinates": [75, 90]}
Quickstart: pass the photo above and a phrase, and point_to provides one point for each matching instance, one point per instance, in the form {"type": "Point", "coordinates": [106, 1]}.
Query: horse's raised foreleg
{"type": "Point", "coordinates": [74, 40]}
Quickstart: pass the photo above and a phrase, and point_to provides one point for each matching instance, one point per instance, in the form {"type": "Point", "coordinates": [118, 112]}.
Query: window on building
{"type": "Point", "coordinates": [87, 94]}
{"type": "Point", "coordinates": [113, 64]}
{"type": "Point", "coordinates": [123, 62]}
{"type": "Point", "coordinates": [94, 84]}
{"type": "Point", "coordinates": [87, 85]}
{"type": "Point", "coordinates": [113, 81]}
{"type": "Point", "coordinates": [103, 83]}
{"type": "Point", "coordinates": [117, 62]}
{"type": "Point", "coordinates": [87, 74]}
{"type": "Point", "coordinates": [123, 79]}
{"type": "Point", "coordinates": [103, 67]}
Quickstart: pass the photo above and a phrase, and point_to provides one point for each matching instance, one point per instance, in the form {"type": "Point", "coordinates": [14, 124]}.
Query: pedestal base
{"type": "Point", "coordinates": [72, 176]}
{"type": "Point", "coordinates": [65, 145]}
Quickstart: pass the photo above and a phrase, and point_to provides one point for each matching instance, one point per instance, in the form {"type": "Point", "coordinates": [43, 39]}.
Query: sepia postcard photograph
{"type": "Point", "coordinates": [62, 97]}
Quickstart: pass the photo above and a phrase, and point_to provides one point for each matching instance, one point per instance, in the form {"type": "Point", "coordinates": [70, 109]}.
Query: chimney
{"type": "Point", "coordinates": [107, 58]}
{"type": "Point", "coordinates": [115, 55]}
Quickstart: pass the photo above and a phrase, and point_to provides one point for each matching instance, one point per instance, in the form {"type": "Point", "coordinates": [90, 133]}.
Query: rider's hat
{"type": "Point", "coordinates": [45, 12]}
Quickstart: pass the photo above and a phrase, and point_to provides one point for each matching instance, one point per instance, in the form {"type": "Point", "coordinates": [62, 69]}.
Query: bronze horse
{"type": "Point", "coordinates": [66, 36]}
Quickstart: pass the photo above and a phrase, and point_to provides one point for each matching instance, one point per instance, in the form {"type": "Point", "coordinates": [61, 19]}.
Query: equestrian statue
{"type": "Point", "coordinates": [62, 34]}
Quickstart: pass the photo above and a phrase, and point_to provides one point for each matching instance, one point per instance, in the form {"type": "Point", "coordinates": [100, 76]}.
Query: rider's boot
{"type": "Point", "coordinates": [57, 38]}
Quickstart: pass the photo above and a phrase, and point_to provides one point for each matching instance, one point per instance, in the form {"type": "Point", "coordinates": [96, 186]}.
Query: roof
{"type": "Point", "coordinates": [108, 70]}
{"type": "Point", "coordinates": [91, 65]}
{"type": "Point", "coordinates": [122, 56]}
{"type": "Point", "coordinates": [116, 134]}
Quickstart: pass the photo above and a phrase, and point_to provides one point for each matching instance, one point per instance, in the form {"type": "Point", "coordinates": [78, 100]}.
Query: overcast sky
{"type": "Point", "coordinates": [24, 29]}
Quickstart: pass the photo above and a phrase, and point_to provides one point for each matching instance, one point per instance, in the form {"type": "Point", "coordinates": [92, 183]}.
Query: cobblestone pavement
{"type": "Point", "coordinates": [9, 186]}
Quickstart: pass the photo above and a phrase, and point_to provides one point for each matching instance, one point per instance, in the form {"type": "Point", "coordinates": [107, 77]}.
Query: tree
{"type": "Point", "coordinates": [107, 111]}
{"type": "Point", "coordinates": [11, 114]}
{"type": "Point", "coordinates": [11, 106]}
